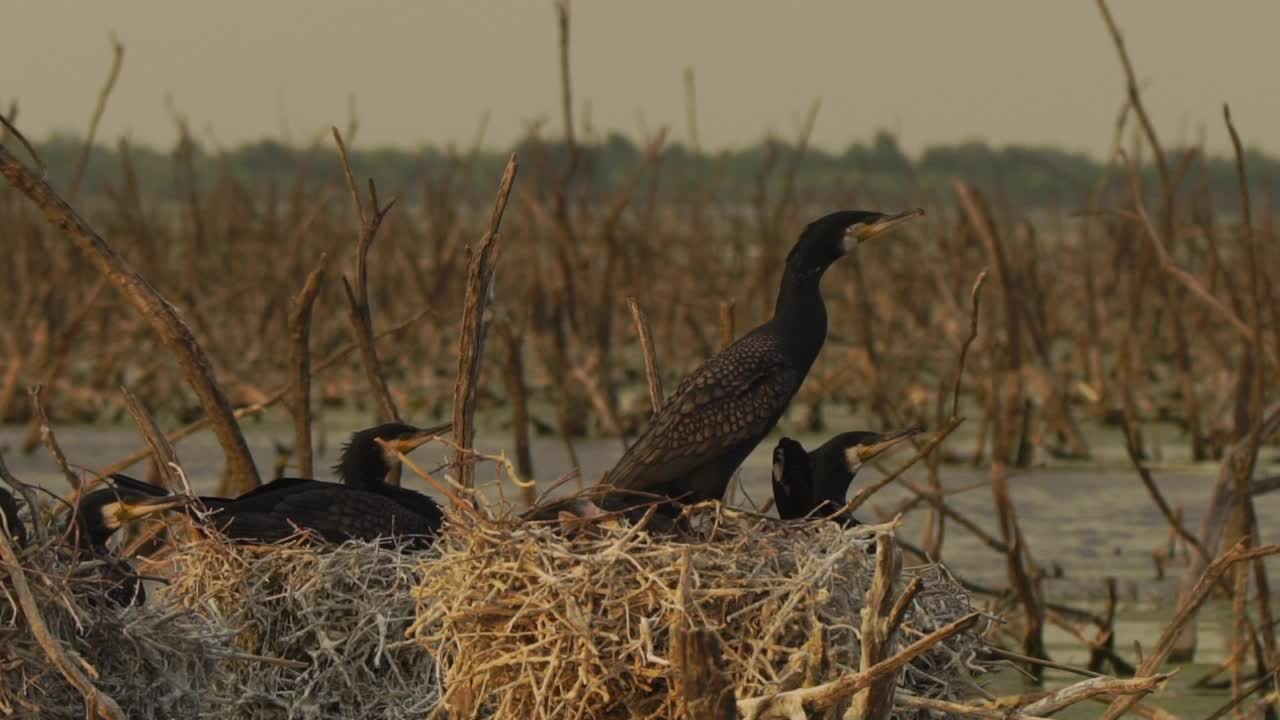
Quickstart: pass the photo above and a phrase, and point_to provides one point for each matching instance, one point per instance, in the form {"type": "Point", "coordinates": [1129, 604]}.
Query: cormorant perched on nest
{"type": "Point", "coordinates": [96, 517]}
{"type": "Point", "coordinates": [723, 409]}
{"type": "Point", "coordinates": [814, 484]}
{"type": "Point", "coordinates": [9, 516]}
{"type": "Point", "coordinates": [363, 508]}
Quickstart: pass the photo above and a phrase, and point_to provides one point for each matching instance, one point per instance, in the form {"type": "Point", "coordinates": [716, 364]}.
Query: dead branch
{"type": "Point", "coordinates": [50, 440]}
{"type": "Point", "coordinates": [300, 365]}
{"type": "Point", "coordinates": [155, 309]}
{"type": "Point", "coordinates": [726, 324]}
{"type": "Point", "coordinates": [97, 703]}
{"type": "Point", "coordinates": [471, 340]}
{"type": "Point", "coordinates": [876, 701]}
{"type": "Point", "coordinates": [704, 686]}
{"type": "Point", "coordinates": [1135, 98]}
{"type": "Point", "coordinates": [82, 162]}
{"type": "Point", "coordinates": [954, 709]}
{"type": "Point", "coordinates": [267, 403]}
{"type": "Point", "coordinates": [794, 703]}
{"type": "Point", "coordinates": [358, 311]}
{"type": "Point", "coordinates": [166, 458]}
{"type": "Point", "coordinates": [651, 373]}
{"type": "Point", "coordinates": [1187, 609]}
{"type": "Point", "coordinates": [975, 296]}
{"type": "Point", "coordinates": [1094, 687]}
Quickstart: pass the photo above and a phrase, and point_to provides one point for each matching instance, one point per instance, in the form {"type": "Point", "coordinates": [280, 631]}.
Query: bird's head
{"type": "Point", "coordinates": [366, 462]}
{"type": "Point", "coordinates": [835, 235]}
{"type": "Point", "coordinates": [102, 512]}
{"type": "Point", "coordinates": [841, 457]}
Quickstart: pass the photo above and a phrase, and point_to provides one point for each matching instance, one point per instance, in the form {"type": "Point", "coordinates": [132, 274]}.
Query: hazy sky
{"type": "Point", "coordinates": [1025, 71]}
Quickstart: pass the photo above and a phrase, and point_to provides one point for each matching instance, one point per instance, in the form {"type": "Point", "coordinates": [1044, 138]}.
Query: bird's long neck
{"type": "Point", "coordinates": [832, 479]}
{"type": "Point", "coordinates": [836, 493]}
{"type": "Point", "coordinates": [362, 468]}
{"type": "Point", "coordinates": [800, 315]}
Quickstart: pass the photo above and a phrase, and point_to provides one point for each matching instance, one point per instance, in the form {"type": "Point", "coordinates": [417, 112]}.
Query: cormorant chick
{"type": "Point", "coordinates": [723, 409]}
{"type": "Point", "coordinates": [815, 484]}
{"type": "Point", "coordinates": [364, 507]}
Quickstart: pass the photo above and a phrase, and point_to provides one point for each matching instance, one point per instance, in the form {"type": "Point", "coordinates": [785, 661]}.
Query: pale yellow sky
{"type": "Point", "coordinates": [1009, 71]}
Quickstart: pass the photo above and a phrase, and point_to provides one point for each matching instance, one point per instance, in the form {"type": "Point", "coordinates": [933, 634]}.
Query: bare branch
{"type": "Point", "coordinates": [471, 340]}
{"type": "Point", "coordinates": [155, 309]}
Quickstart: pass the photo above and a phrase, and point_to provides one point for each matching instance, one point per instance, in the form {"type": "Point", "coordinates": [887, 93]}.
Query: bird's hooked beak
{"type": "Point", "coordinates": [862, 232]}
{"type": "Point", "coordinates": [411, 442]}
{"type": "Point", "coordinates": [862, 454]}
{"type": "Point", "coordinates": [123, 512]}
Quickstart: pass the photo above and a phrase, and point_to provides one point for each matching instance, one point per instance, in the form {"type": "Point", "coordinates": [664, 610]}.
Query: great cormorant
{"type": "Point", "coordinates": [723, 409]}
{"type": "Point", "coordinates": [814, 484]}
{"type": "Point", "coordinates": [365, 507]}
{"type": "Point", "coordinates": [96, 517]}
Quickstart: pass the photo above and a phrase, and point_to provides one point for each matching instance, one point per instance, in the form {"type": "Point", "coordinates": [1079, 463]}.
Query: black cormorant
{"type": "Point", "coordinates": [9, 514]}
{"type": "Point", "coordinates": [723, 409]}
{"type": "Point", "coordinates": [365, 507]}
{"type": "Point", "coordinates": [814, 484]}
{"type": "Point", "coordinates": [97, 516]}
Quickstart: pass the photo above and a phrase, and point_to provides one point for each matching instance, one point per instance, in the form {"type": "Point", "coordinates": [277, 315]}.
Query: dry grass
{"type": "Point", "coordinates": [154, 660]}
{"type": "Point", "coordinates": [329, 626]}
{"type": "Point", "coordinates": [528, 622]}
{"type": "Point", "coordinates": [235, 631]}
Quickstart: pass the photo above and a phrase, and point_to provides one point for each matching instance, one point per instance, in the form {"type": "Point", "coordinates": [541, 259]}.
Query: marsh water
{"type": "Point", "coordinates": [1090, 519]}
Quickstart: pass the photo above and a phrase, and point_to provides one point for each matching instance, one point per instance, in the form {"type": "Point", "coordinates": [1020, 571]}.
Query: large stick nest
{"type": "Point", "coordinates": [530, 622]}
{"type": "Point", "coordinates": [328, 624]}
{"type": "Point", "coordinates": [513, 619]}
{"type": "Point", "coordinates": [156, 661]}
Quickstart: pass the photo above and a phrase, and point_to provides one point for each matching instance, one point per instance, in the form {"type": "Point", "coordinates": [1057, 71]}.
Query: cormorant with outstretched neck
{"type": "Point", "coordinates": [721, 411]}
{"type": "Point", "coordinates": [814, 484]}
{"type": "Point", "coordinates": [364, 507]}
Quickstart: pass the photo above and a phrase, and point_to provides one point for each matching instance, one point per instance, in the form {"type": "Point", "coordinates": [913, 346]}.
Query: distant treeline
{"type": "Point", "coordinates": [879, 169]}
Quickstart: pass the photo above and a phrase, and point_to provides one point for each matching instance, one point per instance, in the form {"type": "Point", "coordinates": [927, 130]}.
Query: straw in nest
{"type": "Point", "coordinates": [326, 624]}
{"type": "Point", "coordinates": [531, 623]}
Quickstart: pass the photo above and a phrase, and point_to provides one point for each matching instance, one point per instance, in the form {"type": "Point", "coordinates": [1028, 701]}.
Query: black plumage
{"type": "Point", "coordinates": [96, 517]}
{"type": "Point", "coordinates": [723, 409]}
{"type": "Point", "coordinates": [9, 513]}
{"type": "Point", "coordinates": [364, 507]}
{"type": "Point", "coordinates": [815, 484]}
{"type": "Point", "coordinates": [792, 480]}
